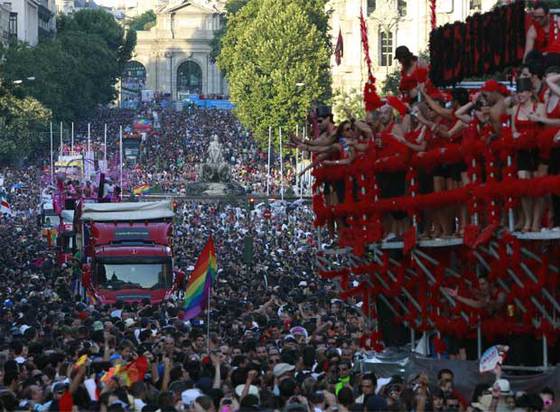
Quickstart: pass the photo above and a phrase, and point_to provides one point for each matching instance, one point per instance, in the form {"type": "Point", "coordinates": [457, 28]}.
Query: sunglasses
{"type": "Point", "coordinates": [273, 361]}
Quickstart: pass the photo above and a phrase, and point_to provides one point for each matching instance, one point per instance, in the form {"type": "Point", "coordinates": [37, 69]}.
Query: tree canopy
{"type": "Point", "coordinates": [276, 57]}
{"type": "Point", "coordinates": [145, 21]}
{"type": "Point", "coordinates": [78, 69]}
{"type": "Point", "coordinates": [22, 121]}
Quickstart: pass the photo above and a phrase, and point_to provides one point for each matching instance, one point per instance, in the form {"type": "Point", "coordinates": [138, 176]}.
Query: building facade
{"type": "Point", "coordinates": [4, 24]}
{"type": "Point", "coordinates": [27, 20]}
{"type": "Point", "coordinates": [25, 15]}
{"type": "Point", "coordinates": [175, 53]}
{"type": "Point", "coordinates": [391, 23]}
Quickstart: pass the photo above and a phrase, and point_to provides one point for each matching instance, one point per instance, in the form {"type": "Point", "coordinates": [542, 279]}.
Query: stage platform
{"type": "Point", "coordinates": [548, 234]}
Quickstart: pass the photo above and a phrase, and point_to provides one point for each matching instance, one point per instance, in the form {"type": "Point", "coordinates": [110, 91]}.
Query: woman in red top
{"type": "Point", "coordinates": [392, 184]}
{"type": "Point", "coordinates": [549, 138]}
{"type": "Point", "coordinates": [525, 129]}
{"type": "Point", "coordinates": [411, 76]}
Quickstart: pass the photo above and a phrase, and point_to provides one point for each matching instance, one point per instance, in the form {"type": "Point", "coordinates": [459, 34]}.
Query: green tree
{"type": "Point", "coordinates": [269, 48]}
{"type": "Point", "coordinates": [99, 22]}
{"type": "Point", "coordinates": [21, 124]}
{"type": "Point", "coordinates": [145, 21]}
{"type": "Point", "coordinates": [78, 69]}
{"type": "Point", "coordinates": [231, 7]}
{"type": "Point", "coordinates": [391, 83]}
{"type": "Point", "coordinates": [351, 101]}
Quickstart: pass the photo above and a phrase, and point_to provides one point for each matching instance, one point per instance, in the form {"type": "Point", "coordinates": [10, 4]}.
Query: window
{"type": "Point", "coordinates": [385, 49]}
{"type": "Point", "coordinates": [401, 5]}
{"type": "Point", "coordinates": [475, 4]}
{"type": "Point", "coordinates": [12, 27]}
{"type": "Point", "coordinates": [370, 6]}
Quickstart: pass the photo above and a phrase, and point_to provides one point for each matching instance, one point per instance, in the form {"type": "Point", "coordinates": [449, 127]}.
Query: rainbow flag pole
{"type": "Point", "coordinates": [197, 292]}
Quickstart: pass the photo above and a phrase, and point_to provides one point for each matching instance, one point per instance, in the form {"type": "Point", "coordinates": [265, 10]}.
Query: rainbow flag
{"type": "Point", "coordinates": [141, 189]}
{"type": "Point", "coordinates": [200, 281]}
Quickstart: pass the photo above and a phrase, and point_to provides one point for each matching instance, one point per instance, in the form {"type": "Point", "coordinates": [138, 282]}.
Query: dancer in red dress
{"type": "Point", "coordinates": [549, 138]}
{"type": "Point", "coordinates": [525, 131]}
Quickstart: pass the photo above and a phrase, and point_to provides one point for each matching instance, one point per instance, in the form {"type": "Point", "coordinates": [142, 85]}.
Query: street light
{"type": "Point", "coordinates": [19, 81]}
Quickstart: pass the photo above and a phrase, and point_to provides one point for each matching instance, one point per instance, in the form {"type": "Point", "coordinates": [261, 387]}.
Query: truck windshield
{"type": "Point", "coordinates": [144, 274]}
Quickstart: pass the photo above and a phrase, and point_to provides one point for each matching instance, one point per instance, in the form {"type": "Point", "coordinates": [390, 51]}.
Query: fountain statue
{"type": "Point", "coordinates": [215, 169]}
{"type": "Point", "coordinates": [214, 175]}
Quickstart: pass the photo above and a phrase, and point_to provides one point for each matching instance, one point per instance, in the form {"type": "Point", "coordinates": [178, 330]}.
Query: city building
{"type": "Point", "coordinates": [24, 20]}
{"type": "Point", "coordinates": [4, 24]}
{"type": "Point", "coordinates": [174, 56]}
{"type": "Point", "coordinates": [70, 6]}
{"type": "Point", "coordinates": [391, 23]}
{"type": "Point", "coordinates": [27, 20]}
{"type": "Point", "coordinates": [47, 18]}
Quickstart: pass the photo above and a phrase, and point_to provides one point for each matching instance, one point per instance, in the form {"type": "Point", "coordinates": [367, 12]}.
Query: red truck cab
{"type": "Point", "coordinates": [128, 250]}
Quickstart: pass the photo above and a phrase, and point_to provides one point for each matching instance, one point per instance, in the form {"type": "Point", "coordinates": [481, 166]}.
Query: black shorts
{"type": "Point", "coordinates": [456, 169]}
{"type": "Point", "coordinates": [425, 183]}
{"type": "Point", "coordinates": [527, 160]}
{"type": "Point", "coordinates": [391, 184]}
{"type": "Point", "coordinates": [340, 192]}
{"type": "Point", "coordinates": [554, 161]}
{"type": "Point", "coordinates": [441, 171]}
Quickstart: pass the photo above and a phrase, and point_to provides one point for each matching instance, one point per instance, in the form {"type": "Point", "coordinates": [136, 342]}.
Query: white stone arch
{"type": "Point", "coordinates": [193, 61]}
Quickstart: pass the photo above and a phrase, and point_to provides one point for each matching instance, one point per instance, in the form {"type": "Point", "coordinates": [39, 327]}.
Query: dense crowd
{"type": "Point", "coordinates": [276, 336]}
{"type": "Point", "coordinates": [279, 337]}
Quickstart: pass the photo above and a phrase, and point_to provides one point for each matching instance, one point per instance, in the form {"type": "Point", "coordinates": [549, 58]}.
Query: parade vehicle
{"type": "Point", "coordinates": [132, 144]}
{"type": "Point", "coordinates": [126, 250]}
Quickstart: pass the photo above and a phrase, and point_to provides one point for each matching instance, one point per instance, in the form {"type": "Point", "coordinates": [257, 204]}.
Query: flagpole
{"type": "Point", "coordinates": [208, 317]}
{"type": "Point", "coordinates": [72, 140]}
{"type": "Point", "coordinates": [52, 154]}
{"type": "Point", "coordinates": [61, 144]}
{"type": "Point", "coordinates": [297, 159]}
{"type": "Point", "coordinates": [121, 158]}
{"type": "Point", "coordinates": [89, 137]}
{"type": "Point", "coordinates": [105, 145]}
{"type": "Point", "coordinates": [281, 165]}
{"type": "Point", "coordinates": [269, 158]}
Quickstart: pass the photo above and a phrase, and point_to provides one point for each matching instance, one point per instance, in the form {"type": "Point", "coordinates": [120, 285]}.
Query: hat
{"type": "Point", "coordinates": [524, 84]}
{"type": "Point", "coordinates": [189, 396]}
{"type": "Point", "coordinates": [402, 52]}
{"type": "Point", "coordinates": [59, 386]}
{"type": "Point", "coordinates": [97, 325]}
{"type": "Point", "coordinates": [302, 283]}
{"type": "Point", "coordinates": [494, 86]}
{"type": "Point", "coordinates": [324, 111]}
{"type": "Point", "coordinates": [299, 330]}
{"type": "Point", "coordinates": [504, 386]}
{"type": "Point", "coordinates": [129, 322]}
{"type": "Point", "coordinates": [282, 368]}
{"type": "Point", "coordinates": [289, 337]}
{"type": "Point", "coordinates": [253, 390]}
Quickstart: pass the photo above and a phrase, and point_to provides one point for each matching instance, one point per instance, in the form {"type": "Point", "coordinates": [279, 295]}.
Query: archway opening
{"type": "Point", "coordinates": [189, 78]}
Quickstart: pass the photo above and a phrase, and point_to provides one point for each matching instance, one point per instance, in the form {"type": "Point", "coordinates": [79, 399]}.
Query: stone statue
{"type": "Point", "coordinates": [215, 169]}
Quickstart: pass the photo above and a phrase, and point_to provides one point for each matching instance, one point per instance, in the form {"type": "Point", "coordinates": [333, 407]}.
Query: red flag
{"type": "Point", "coordinates": [339, 50]}
{"type": "Point", "coordinates": [137, 369]}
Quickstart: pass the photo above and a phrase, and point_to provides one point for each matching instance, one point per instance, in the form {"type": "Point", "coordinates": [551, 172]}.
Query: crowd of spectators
{"type": "Point", "coordinates": [280, 339]}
